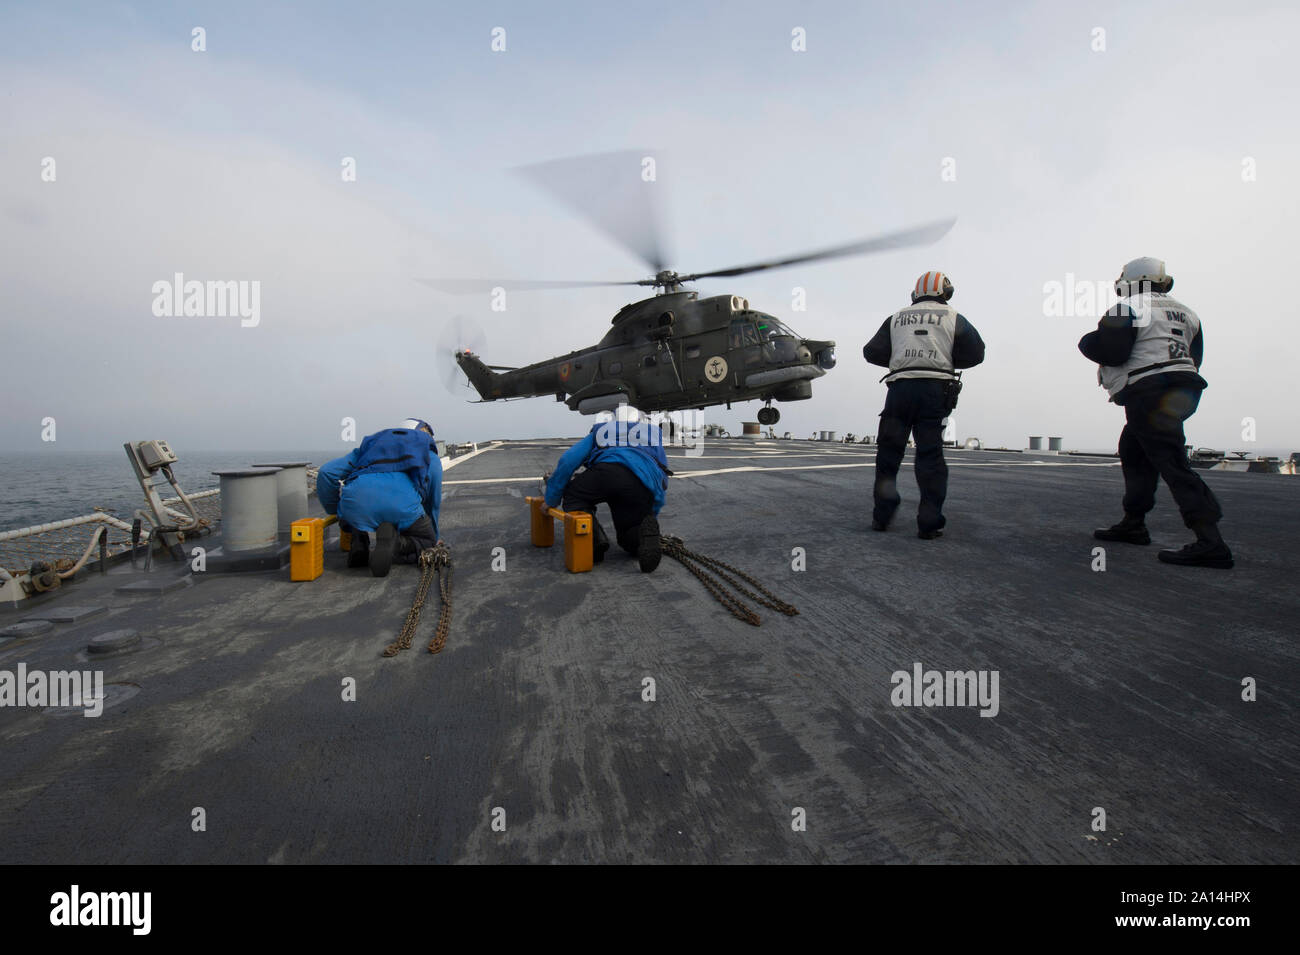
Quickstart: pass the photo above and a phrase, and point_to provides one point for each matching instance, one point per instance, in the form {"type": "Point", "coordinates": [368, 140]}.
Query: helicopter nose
{"type": "Point", "coordinates": [803, 354]}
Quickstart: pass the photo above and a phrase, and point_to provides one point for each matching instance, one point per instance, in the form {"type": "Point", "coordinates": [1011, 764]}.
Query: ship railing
{"type": "Point", "coordinates": [60, 544]}
{"type": "Point", "coordinates": [63, 545]}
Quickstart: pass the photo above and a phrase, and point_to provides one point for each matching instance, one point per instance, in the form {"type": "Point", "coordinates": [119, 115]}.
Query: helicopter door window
{"type": "Point", "coordinates": [693, 351]}
{"type": "Point", "coordinates": [650, 361]}
{"type": "Point", "coordinates": [751, 335]}
{"type": "Point", "coordinates": [741, 331]}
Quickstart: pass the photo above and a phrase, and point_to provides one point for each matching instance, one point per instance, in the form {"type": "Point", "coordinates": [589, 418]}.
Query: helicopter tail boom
{"type": "Point", "coordinates": [481, 376]}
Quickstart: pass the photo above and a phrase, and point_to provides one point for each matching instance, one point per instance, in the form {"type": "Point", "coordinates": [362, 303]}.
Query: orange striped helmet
{"type": "Point", "coordinates": [933, 283]}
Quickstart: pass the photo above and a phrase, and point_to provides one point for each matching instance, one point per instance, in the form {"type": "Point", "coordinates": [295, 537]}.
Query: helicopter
{"type": "Point", "coordinates": [674, 350]}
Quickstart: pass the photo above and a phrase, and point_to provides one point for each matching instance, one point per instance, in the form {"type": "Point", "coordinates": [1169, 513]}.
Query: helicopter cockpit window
{"type": "Point", "coordinates": [769, 328]}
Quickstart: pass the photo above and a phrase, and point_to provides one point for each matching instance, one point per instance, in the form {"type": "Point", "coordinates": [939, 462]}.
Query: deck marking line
{"type": "Point", "coordinates": [465, 457]}
{"type": "Point", "coordinates": [815, 467]}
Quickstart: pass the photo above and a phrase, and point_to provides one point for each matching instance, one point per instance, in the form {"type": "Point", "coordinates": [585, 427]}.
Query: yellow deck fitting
{"type": "Point", "coordinates": [307, 547]}
{"type": "Point", "coordinates": [577, 532]}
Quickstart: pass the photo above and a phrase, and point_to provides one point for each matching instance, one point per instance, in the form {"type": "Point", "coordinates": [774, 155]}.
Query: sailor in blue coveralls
{"type": "Point", "coordinates": [626, 468]}
{"type": "Point", "coordinates": [392, 485]}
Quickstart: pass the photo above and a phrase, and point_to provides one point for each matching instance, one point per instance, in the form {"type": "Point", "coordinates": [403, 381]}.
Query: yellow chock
{"type": "Point", "coordinates": [306, 548]}
{"type": "Point", "coordinates": [578, 535]}
{"type": "Point", "coordinates": [543, 528]}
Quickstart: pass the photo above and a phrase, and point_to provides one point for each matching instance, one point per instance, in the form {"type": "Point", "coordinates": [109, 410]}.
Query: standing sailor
{"type": "Point", "coordinates": [626, 468]}
{"type": "Point", "coordinates": [392, 485]}
{"type": "Point", "coordinates": [1148, 349]}
{"type": "Point", "coordinates": [922, 346]}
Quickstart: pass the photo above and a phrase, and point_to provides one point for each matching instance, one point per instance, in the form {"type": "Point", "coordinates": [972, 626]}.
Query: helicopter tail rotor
{"type": "Point", "coordinates": [458, 337]}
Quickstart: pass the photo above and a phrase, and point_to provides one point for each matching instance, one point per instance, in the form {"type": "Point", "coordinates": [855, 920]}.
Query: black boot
{"type": "Point", "coordinates": [599, 542]}
{"type": "Point", "coordinates": [359, 551]}
{"type": "Point", "coordinates": [408, 550]}
{"type": "Point", "coordinates": [1208, 550]}
{"type": "Point", "coordinates": [649, 550]}
{"type": "Point", "coordinates": [1131, 530]}
{"type": "Point", "coordinates": [414, 539]}
{"type": "Point", "coordinates": [381, 557]}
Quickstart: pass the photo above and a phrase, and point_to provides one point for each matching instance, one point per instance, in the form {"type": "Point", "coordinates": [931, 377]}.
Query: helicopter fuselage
{"type": "Point", "coordinates": [670, 352]}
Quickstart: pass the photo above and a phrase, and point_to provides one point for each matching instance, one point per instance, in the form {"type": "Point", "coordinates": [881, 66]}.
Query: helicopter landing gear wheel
{"type": "Point", "coordinates": [768, 416]}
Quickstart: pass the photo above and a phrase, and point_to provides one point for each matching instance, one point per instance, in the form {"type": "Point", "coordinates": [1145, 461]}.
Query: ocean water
{"type": "Point", "coordinates": [41, 486]}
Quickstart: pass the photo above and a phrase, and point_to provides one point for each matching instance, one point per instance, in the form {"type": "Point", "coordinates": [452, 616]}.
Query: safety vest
{"type": "Point", "coordinates": [396, 449]}
{"type": "Point", "coordinates": [1165, 330]}
{"type": "Point", "coordinates": [920, 339]}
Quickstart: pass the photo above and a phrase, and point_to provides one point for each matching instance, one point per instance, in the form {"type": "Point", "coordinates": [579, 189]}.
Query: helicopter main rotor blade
{"type": "Point", "coordinates": [607, 189]}
{"type": "Point", "coordinates": [921, 235]}
{"type": "Point", "coordinates": [471, 286]}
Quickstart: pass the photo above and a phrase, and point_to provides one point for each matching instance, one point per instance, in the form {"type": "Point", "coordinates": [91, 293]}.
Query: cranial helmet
{"type": "Point", "coordinates": [622, 412]}
{"type": "Point", "coordinates": [933, 284]}
{"type": "Point", "coordinates": [417, 424]}
{"type": "Point", "coordinates": [1143, 275]}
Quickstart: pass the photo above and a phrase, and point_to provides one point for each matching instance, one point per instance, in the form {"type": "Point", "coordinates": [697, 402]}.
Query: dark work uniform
{"type": "Point", "coordinates": [626, 468]}
{"type": "Point", "coordinates": [1158, 392]}
{"type": "Point", "coordinates": [921, 345]}
{"type": "Point", "coordinates": [614, 484]}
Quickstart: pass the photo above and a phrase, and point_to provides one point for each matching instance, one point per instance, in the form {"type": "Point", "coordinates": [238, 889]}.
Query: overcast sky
{"type": "Point", "coordinates": [225, 165]}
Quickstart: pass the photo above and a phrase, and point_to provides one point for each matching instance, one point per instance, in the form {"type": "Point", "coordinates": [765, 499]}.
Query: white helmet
{"type": "Point", "coordinates": [621, 412]}
{"type": "Point", "coordinates": [416, 424]}
{"type": "Point", "coordinates": [1143, 275]}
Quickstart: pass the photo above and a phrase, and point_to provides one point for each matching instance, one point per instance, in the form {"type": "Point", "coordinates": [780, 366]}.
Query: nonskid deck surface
{"type": "Point", "coordinates": [1119, 689]}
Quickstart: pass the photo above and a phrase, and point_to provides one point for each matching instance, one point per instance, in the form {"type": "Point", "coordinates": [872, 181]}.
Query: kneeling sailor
{"type": "Point", "coordinates": [392, 485]}
{"type": "Point", "coordinates": [626, 468]}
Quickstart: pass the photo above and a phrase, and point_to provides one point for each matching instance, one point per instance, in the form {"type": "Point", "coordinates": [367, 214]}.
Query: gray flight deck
{"type": "Point", "coordinates": [1119, 689]}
